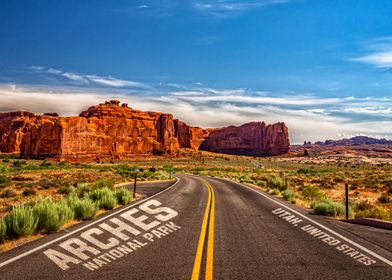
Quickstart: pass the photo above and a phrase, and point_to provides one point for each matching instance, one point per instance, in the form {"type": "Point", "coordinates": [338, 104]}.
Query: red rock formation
{"type": "Point", "coordinates": [11, 130]}
{"type": "Point", "coordinates": [113, 130]}
{"type": "Point", "coordinates": [190, 137]}
{"type": "Point", "coordinates": [255, 139]}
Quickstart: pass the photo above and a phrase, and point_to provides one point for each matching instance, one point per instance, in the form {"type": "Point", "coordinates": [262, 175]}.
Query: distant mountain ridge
{"type": "Point", "coordinates": [354, 141]}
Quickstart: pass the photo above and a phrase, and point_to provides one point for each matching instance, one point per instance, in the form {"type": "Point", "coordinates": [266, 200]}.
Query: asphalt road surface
{"type": "Point", "coordinates": [205, 228]}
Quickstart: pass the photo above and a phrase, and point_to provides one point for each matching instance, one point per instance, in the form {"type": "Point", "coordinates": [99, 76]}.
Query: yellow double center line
{"type": "Point", "coordinates": [209, 213]}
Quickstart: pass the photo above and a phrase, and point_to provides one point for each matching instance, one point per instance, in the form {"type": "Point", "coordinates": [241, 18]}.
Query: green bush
{"type": "Point", "coordinates": [246, 179]}
{"type": "Point", "coordinates": [374, 212]}
{"type": "Point", "coordinates": [262, 184]}
{"type": "Point", "coordinates": [312, 193]}
{"type": "Point", "coordinates": [327, 207]}
{"type": "Point", "coordinates": [105, 198]}
{"type": "Point", "coordinates": [3, 169]}
{"type": "Point", "coordinates": [275, 192]}
{"type": "Point", "coordinates": [72, 199]}
{"type": "Point", "coordinates": [306, 171]}
{"type": "Point", "coordinates": [85, 209]}
{"type": "Point", "coordinates": [82, 189]}
{"type": "Point", "coordinates": [277, 183]}
{"type": "Point", "coordinates": [19, 163]}
{"type": "Point", "coordinates": [66, 189]}
{"type": "Point", "coordinates": [20, 221]}
{"type": "Point", "coordinates": [124, 196]}
{"type": "Point", "coordinates": [4, 179]}
{"type": "Point", "coordinates": [3, 230]}
{"type": "Point", "coordinates": [52, 216]}
{"type": "Point", "coordinates": [125, 170]}
{"type": "Point", "coordinates": [289, 195]}
{"type": "Point", "coordinates": [103, 183]}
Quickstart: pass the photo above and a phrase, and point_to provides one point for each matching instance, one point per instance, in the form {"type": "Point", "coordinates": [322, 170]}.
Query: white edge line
{"type": "Point", "coordinates": [82, 228]}
{"type": "Point", "coordinates": [388, 262]}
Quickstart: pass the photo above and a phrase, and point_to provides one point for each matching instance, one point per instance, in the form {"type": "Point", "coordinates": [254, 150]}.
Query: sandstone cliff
{"type": "Point", "coordinates": [114, 130]}
{"type": "Point", "coordinates": [255, 138]}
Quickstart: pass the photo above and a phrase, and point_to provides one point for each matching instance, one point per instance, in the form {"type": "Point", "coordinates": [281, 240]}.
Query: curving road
{"type": "Point", "coordinates": [205, 228]}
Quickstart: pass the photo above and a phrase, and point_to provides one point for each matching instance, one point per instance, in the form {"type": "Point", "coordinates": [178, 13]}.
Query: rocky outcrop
{"type": "Point", "coordinates": [114, 130]}
{"type": "Point", "coordinates": [190, 137]}
{"type": "Point", "coordinates": [255, 139]}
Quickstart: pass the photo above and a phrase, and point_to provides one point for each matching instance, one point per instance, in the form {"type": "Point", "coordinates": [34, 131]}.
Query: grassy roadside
{"type": "Point", "coordinates": [308, 188]}
{"type": "Point", "coordinates": [75, 192]}
{"type": "Point", "coordinates": [43, 197]}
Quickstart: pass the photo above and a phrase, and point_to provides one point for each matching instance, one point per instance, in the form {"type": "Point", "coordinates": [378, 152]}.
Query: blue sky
{"type": "Point", "coordinates": [323, 67]}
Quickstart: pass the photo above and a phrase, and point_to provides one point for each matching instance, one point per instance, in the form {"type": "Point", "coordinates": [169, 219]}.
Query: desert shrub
{"type": "Point", "coordinates": [157, 175]}
{"type": "Point", "coordinates": [385, 198]}
{"type": "Point", "coordinates": [125, 170]}
{"type": "Point", "coordinates": [262, 184]}
{"type": "Point", "coordinates": [277, 183]}
{"type": "Point", "coordinates": [306, 171]}
{"type": "Point", "coordinates": [312, 193]}
{"type": "Point", "coordinates": [327, 207]}
{"type": "Point", "coordinates": [105, 198]}
{"type": "Point", "coordinates": [103, 183]}
{"type": "Point", "coordinates": [52, 216]}
{"type": "Point", "coordinates": [72, 199]}
{"type": "Point", "coordinates": [8, 193]}
{"type": "Point", "coordinates": [123, 196]}
{"type": "Point", "coordinates": [85, 209]}
{"type": "Point", "coordinates": [275, 192]}
{"type": "Point", "coordinates": [20, 221]}
{"type": "Point", "coordinates": [3, 230]}
{"type": "Point", "coordinates": [66, 189]}
{"type": "Point", "coordinates": [3, 169]}
{"type": "Point", "coordinates": [375, 212]}
{"type": "Point", "coordinates": [246, 179]}
{"type": "Point", "coordinates": [18, 163]}
{"type": "Point", "coordinates": [29, 191]}
{"type": "Point", "coordinates": [4, 179]}
{"type": "Point", "coordinates": [289, 195]}
{"type": "Point", "coordinates": [82, 189]}
{"type": "Point", "coordinates": [45, 163]}
{"type": "Point", "coordinates": [363, 205]}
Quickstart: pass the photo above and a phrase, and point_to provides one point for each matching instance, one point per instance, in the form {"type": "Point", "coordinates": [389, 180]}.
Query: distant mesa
{"type": "Point", "coordinates": [114, 130]}
{"type": "Point", "coordinates": [354, 141]}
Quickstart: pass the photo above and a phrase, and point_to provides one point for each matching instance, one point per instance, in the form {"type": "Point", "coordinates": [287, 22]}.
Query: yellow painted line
{"type": "Point", "coordinates": [210, 248]}
{"type": "Point", "coordinates": [200, 246]}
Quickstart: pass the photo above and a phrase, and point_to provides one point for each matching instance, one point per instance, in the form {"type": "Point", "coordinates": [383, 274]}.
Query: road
{"type": "Point", "coordinates": [205, 228]}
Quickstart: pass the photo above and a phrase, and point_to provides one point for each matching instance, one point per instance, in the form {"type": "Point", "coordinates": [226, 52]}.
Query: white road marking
{"type": "Point", "coordinates": [82, 228]}
{"type": "Point", "coordinates": [388, 262]}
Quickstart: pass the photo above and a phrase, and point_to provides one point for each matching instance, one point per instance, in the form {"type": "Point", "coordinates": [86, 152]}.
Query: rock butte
{"type": "Point", "coordinates": [114, 130]}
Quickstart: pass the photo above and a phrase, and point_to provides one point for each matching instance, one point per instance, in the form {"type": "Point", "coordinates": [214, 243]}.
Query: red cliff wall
{"type": "Point", "coordinates": [255, 139]}
{"type": "Point", "coordinates": [112, 129]}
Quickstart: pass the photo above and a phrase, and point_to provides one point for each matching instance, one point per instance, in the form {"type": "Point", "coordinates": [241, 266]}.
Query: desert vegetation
{"type": "Point", "coordinates": [42, 196]}
{"type": "Point", "coordinates": [48, 215]}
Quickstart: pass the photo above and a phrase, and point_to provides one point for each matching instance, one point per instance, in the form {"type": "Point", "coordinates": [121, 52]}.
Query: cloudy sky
{"type": "Point", "coordinates": [322, 67]}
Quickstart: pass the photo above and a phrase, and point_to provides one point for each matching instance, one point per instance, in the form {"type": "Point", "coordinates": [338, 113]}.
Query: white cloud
{"type": "Point", "coordinates": [113, 82]}
{"type": "Point", "coordinates": [379, 52]}
{"type": "Point", "coordinates": [379, 59]}
{"type": "Point", "coordinates": [84, 79]}
{"type": "Point", "coordinates": [74, 77]}
{"type": "Point", "coordinates": [229, 8]}
{"type": "Point", "coordinates": [308, 117]}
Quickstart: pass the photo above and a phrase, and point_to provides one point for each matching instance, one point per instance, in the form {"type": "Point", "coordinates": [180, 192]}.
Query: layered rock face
{"type": "Point", "coordinates": [116, 130]}
{"type": "Point", "coordinates": [255, 139]}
